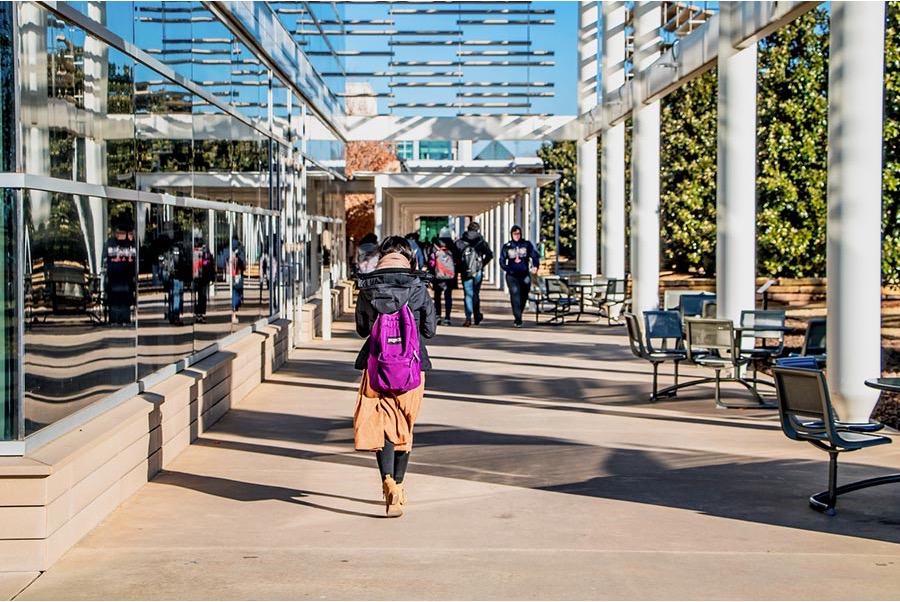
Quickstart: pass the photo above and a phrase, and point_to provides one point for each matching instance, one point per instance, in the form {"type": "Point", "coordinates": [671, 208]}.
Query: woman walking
{"type": "Point", "coordinates": [383, 421]}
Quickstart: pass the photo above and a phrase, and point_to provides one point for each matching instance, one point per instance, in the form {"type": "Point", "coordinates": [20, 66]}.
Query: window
{"type": "Point", "coordinates": [435, 150]}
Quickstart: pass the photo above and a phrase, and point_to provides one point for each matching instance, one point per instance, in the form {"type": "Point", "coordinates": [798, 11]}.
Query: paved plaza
{"type": "Point", "coordinates": [540, 471]}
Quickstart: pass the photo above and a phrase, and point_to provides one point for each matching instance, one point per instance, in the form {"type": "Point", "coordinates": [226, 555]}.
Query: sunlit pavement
{"type": "Point", "coordinates": [540, 471]}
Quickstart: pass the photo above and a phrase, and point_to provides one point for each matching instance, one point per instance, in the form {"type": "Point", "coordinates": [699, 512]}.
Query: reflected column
{"type": "Point", "coordinates": [96, 87]}
{"type": "Point", "coordinates": [35, 103]}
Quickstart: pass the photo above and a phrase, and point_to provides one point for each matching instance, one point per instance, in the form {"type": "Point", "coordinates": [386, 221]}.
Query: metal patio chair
{"type": "Point", "coordinates": [806, 414]}
{"type": "Point", "coordinates": [711, 344]}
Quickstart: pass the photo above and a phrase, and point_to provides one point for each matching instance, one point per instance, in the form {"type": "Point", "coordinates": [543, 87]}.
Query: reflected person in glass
{"type": "Point", "coordinates": [119, 255]}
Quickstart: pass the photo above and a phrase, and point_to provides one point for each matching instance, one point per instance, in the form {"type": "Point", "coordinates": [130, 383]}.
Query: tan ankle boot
{"type": "Point", "coordinates": [391, 497]}
{"type": "Point", "coordinates": [402, 493]}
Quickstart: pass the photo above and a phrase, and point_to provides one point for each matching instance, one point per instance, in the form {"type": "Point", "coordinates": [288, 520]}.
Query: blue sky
{"type": "Point", "coordinates": [560, 38]}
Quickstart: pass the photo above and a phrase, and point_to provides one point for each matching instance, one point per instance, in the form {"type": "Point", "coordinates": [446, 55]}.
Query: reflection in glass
{"type": "Point", "coordinates": [79, 271]}
{"type": "Point", "coordinates": [165, 297]}
{"type": "Point", "coordinates": [212, 153]}
{"type": "Point", "coordinates": [115, 290]}
{"type": "Point", "coordinates": [238, 269]}
{"type": "Point", "coordinates": [212, 312]}
{"type": "Point", "coordinates": [119, 126]}
{"type": "Point", "coordinates": [9, 278]}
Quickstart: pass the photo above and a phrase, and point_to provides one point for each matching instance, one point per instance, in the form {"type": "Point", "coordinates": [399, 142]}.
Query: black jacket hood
{"type": "Point", "coordinates": [472, 237]}
{"type": "Point", "coordinates": [389, 289]}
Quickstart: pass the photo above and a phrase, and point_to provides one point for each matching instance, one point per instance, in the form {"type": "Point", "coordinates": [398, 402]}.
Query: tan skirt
{"type": "Point", "coordinates": [379, 416]}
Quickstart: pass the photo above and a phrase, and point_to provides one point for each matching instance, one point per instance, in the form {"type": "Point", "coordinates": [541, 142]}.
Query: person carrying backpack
{"type": "Point", "coordinates": [475, 252]}
{"type": "Point", "coordinates": [395, 313]}
{"type": "Point", "coordinates": [443, 262]}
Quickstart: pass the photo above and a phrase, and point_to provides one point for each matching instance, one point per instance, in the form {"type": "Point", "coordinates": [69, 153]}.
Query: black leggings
{"type": "Point", "coordinates": [392, 463]}
{"type": "Point", "coordinates": [442, 288]}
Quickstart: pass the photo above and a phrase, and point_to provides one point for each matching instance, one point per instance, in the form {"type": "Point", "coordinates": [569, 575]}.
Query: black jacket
{"type": "Point", "coordinates": [385, 291]}
{"type": "Point", "coordinates": [474, 239]}
{"type": "Point", "coordinates": [515, 258]}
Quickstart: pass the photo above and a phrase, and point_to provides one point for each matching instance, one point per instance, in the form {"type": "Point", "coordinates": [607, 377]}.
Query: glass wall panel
{"type": "Point", "coordinates": [212, 50]}
{"type": "Point", "coordinates": [213, 153]}
{"type": "Point", "coordinates": [117, 16]}
{"type": "Point", "coordinates": [240, 270]}
{"type": "Point", "coordinates": [164, 134]}
{"type": "Point", "coordinates": [222, 293]}
{"type": "Point", "coordinates": [116, 290]}
{"type": "Point", "coordinates": [322, 145]}
{"type": "Point", "coordinates": [79, 330]}
{"type": "Point", "coordinates": [9, 276]}
{"type": "Point", "coordinates": [165, 284]}
{"type": "Point", "coordinates": [251, 156]}
{"type": "Point", "coordinates": [118, 139]}
{"type": "Point", "coordinates": [212, 309]}
{"type": "Point", "coordinates": [280, 114]}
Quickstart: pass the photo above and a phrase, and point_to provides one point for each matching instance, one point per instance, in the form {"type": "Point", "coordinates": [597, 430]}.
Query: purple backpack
{"type": "Point", "coordinates": [394, 362]}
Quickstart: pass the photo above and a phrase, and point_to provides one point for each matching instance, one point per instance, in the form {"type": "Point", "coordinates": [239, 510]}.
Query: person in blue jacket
{"type": "Point", "coordinates": [518, 258]}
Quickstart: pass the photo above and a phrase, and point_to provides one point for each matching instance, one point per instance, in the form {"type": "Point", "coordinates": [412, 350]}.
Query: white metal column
{"type": "Point", "coordinates": [379, 206]}
{"type": "Point", "coordinates": [855, 113]}
{"type": "Point", "coordinates": [518, 212]}
{"type": "Point", "coordinates": [487, 230]}
{"type": "Point", "coordinates": [506, 215]}
{"type": "Point", "coordinates": [612, 148]}
{"type": "Point", "coordinates": [527, 226]}
{"type": "Point", "coordinates": [586, 185]}
{"type": "Point", "coordinates": [645, 164]}
{"type": "Point", "coordinates": [736, 185]}
{"type": "Point", "coordinates": [535, 197]}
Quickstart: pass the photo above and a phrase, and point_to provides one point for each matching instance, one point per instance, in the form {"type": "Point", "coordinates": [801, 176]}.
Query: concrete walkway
{"type": "Point", "coordinates": [540, 471]}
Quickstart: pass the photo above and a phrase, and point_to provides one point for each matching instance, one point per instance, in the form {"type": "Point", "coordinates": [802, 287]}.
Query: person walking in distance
{"type": "Point", "coordinates": [518, 258]}
{"type": "Point", "coordinates": [443, 263]}
{"type": "Point", "coordinates": [395, 313]}
{"type": "Point", "coordinates": [475, 252]}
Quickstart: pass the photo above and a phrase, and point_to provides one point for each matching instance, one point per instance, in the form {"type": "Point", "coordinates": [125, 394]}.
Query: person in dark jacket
{"type": "Point", "coordinates": [474, 253]}
{"type": "Point", "coordinates": [518, 258]}
{"type": "Point", "coordinates": [119, 255]}
{"type": "Point", "coordinates": [384, 422]}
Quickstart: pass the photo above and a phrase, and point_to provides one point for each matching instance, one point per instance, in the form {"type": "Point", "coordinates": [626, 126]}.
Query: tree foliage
{"type": "Point", "coordinates": [792, 137]}
{"type": "Point", "coordinates": [891, 174]}
{"type": "Point", "coordinates": [792, 158]}
{"type": "Point", "coordinates": [360, 207]}
{"type": "Point", "coordinates": [688, 176]}
{"type": "Point", "coordinates": [560, 156]}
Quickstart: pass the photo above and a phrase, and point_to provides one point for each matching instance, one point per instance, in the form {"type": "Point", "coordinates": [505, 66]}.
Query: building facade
{"type": "Point", "coordinates": [164, 187]}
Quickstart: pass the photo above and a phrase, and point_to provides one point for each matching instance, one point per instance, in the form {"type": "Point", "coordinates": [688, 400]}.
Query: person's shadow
{"type": "Point", "coordinates": [251, 492]}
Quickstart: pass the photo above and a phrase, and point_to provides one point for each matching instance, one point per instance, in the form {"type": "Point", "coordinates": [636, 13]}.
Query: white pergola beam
{"type": "Point", "coordinates": [490, 127]}
{"type": "Point", "coordinates": [693, 55]}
